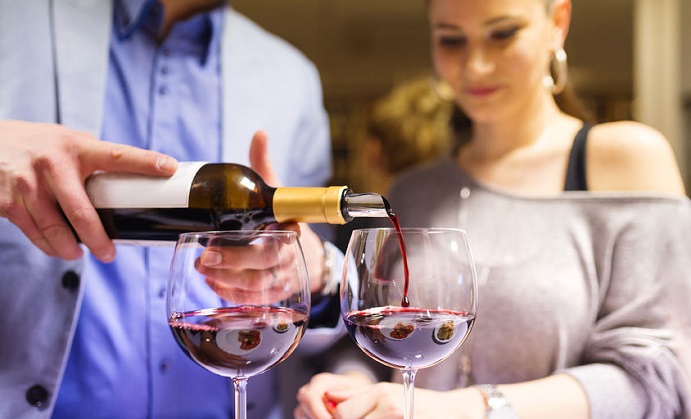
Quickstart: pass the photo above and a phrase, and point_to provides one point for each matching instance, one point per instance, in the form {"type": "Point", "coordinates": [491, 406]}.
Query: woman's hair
{"type": "Point", "coordinates": [568, 100]}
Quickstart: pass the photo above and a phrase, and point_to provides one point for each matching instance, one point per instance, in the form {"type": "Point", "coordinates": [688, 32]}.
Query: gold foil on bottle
{"type": "Point", "coordinates": [309, 205]}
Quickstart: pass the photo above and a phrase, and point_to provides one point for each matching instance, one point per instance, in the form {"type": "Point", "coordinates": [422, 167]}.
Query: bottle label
{"type": "Point", "coordinates": [127, 190]}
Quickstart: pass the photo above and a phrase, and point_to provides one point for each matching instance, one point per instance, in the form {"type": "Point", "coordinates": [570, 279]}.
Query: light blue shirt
{"type": "Point", "coordinates": [55, 62]}
{"type": "Point", "coordinates": [164, 97]}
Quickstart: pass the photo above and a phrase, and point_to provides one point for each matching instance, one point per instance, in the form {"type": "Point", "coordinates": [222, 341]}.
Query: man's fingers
{"type": "Point", "coordinates": [78, 211]}
{"type": "Point", "coordinates": [249, 291]}
{"type": "Point", "coordinates": [26, 224]}
{"type": "Point", "coordinates": [260, 161]}
{"type": "Point", "coordinates": [34, 212]}
{"type": "Point", "coordinates": [89, 228]}
{"type": "Point", "coordinates": [101, 155]}
{"type": "Point", "coordinates": [245, 257]}
{"type": "Point", "coordinates": [50, 223]}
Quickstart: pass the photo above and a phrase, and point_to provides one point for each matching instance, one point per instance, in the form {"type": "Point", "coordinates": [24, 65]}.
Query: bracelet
{"type": "Point", "coordinates": [496, 405]}
{"type": "Point", "coordinates": [329, 277]}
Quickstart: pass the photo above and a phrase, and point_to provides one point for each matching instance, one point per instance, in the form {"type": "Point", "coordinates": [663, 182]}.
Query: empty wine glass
{"type": "Point", "coordinates": [409, 304]}
{"type": "Point", "coordinates": [246, 313]}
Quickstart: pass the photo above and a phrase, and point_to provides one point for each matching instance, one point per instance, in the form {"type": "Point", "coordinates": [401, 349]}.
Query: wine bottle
{"type": "Point", "coordinates": [215, 196]}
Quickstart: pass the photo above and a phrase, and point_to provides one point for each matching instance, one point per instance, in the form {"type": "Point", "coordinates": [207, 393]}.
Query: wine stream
{"type": "Point", "coordinates": [401, 244]}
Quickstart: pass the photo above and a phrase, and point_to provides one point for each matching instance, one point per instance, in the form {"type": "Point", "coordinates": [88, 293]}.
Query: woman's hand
{"type": "Point", "coordinates": [349, 396]}
{"type": "Point", "coordinates": [43, 168]}
{"type": "Point", "coordinates": [315, 398]}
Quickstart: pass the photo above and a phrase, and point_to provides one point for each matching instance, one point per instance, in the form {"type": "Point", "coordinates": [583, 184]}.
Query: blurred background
{"type": "Point", "coordinates": [629, 59]}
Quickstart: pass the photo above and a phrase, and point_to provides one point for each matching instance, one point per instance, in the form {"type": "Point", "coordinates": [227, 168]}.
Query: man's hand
{"type": "Point", "coordinates": [43, 168]}
{"type": "Point", "coordinates": [312, 245]}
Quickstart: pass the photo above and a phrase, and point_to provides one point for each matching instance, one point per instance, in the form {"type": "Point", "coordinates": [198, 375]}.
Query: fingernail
{"type": "Point", "coordinates": [210, 258]}
{"type": "Point", "coordinates": [108, 256]}
{"type": "Point", "coordinates": [164, 163]}
{"type": "Point", "coordinates": [328, 403]}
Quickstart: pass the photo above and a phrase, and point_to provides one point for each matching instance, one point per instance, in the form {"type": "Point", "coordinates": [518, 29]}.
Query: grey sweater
{"type": "Point", "coordinates": [593, 285]}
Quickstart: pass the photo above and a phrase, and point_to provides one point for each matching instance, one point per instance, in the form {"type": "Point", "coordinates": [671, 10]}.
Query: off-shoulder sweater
{"type": "Point", "coordinates": [593, 285]}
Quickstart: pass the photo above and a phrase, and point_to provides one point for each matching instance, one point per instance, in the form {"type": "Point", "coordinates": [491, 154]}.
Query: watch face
{"type": "Point", "coordinates": [497, 406]}
{"type": "Point", "coordinates": [496, 401]}
{"type": "Point", "coordinates": [503, 412]}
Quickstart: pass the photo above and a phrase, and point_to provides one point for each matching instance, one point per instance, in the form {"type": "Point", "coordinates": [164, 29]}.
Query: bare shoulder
{"type": "Point", "coordinates": [628, 135]}
{"type": "Point", "coordinates": [631, 156]}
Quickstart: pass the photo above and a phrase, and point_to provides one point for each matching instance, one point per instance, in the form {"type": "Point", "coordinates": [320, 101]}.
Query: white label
{"type": "Point", "coordinates": [127, 190]}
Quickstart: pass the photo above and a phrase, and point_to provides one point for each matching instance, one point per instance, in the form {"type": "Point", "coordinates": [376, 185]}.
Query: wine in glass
{"type": "Point", "coordinates": [409, 297]}
{"type": "Point", "coordinates": [247, 312]}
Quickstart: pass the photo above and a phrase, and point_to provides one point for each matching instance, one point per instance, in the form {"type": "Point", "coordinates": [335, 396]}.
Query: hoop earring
{"type": "Point", "coordinates": [441, 90]}
{"type": "Point", "coordinates": [558, 72]}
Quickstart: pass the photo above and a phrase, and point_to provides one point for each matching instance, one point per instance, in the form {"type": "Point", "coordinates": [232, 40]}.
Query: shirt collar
{"type": "Point", "coordinates": [133, 15]}
{"type": "Point", "coordinates": [204, 30]}
{"type": "Point", "coordinates": [130, 14]}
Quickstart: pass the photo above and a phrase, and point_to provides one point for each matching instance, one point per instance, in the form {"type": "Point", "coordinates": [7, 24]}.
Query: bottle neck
{"type": "Point", "coordinates": [309, 205]}
{"type": "Point", "coordinates": [333, 205]}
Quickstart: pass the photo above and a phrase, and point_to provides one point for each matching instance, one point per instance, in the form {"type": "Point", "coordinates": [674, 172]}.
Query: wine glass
{"type": "Point", "coordinates": [408, 298]}
{"type": "Point", "coordinates": [247, 312]}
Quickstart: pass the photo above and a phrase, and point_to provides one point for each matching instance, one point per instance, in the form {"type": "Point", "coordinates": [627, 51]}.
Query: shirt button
{"type": "Point", "coordinates": [166, 52]}
{"type": "Point", "coordinates": [162, 90]}
{"type": "Point", "coordinates": [164, 70]}
{"type": "Point", "coordinates": [165, 366]}
{"type": "Point", "coordinates": [37, 396]}
{"type": "Point", "coordinates": [70, 280]}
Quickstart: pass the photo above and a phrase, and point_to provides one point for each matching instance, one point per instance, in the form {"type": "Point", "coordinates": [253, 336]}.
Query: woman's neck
{"type": "Point", "coordinates": [523, 130]}
{"type": "Point", "coordinates": [526, 153]}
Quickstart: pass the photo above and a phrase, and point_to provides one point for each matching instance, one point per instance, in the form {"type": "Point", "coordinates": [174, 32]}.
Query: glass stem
{"type": "Point", "coordinates": [408, 388]}
{"type": "Point", "coordinates": [240, 385]}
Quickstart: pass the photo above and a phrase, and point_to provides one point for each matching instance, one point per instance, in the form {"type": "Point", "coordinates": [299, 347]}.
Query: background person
{"type": "Point", "coordinates": [405, 128]}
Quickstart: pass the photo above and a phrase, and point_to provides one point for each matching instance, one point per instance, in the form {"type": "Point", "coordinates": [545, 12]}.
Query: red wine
{"type": "Point", "coordinates": [408, 337]}
{"type": "Point", "coordinates": [404, 254]}
{"type": "Point", "coordinates": [240, 341]}
{"type": "Point", "coordinates": [222, 196]}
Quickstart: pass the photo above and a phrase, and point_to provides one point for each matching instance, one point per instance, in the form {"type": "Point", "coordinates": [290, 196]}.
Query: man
{"type": "Point", "coordinates": [84, 332]}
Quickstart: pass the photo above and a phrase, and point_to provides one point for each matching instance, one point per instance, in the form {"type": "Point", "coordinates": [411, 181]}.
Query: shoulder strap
{"type": "Point", "coordinates": [575, 172]}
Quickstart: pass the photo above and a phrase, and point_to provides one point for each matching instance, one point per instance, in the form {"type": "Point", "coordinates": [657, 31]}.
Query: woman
{"type": "Point", "coordinates": [573, 319]}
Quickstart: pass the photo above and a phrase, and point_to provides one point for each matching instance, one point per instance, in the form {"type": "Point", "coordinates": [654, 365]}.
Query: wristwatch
{"type": "Point", "coordinates": [497, 407]}
{"type": "Point", "coordinates": [331, 277]}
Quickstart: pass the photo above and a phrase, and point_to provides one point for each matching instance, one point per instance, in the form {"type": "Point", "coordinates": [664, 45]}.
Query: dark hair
{"type": "Point", "coordinates": [571, 103]}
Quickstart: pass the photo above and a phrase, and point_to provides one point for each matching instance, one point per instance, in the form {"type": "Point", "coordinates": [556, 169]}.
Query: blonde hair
{"type": "Point", "coordinates": [411, 123]}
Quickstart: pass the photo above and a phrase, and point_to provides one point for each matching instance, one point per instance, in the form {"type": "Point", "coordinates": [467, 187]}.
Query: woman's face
{"type": "Point", "coordinates": [493, 53]}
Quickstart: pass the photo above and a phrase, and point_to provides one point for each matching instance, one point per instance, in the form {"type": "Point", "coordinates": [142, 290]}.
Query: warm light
{"type": "Point", "coordinates": [247, 183]}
